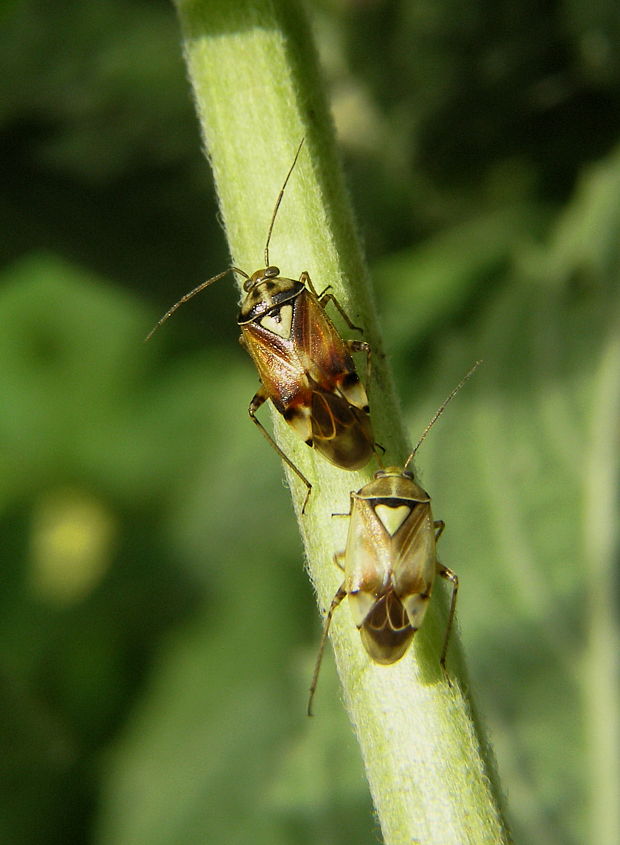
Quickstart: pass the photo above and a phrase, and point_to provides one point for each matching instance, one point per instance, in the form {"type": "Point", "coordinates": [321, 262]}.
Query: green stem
{"type": "Point", "coordinates": [601, 546]}
{"type": "Point", "coordinates": [257, 89]}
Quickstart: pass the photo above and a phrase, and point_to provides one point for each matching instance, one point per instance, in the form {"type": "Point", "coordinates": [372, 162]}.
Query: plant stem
{"type": "Point", "coordinates": [256, 84]}
{"type": "Point", "coordinates": [601, 546]}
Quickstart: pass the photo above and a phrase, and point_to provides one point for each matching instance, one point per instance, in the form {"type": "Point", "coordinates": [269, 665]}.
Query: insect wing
{"type": "Point", "coordinates": [367, 559]}
{"type": "Point", "coordinates": [317, 339]}
{"type": "Point", "coordinates": [278, 365]}
{"type": "Point", "coordinates": [414, 549]}
{"type": "Point", "coordinates": [387, 632]}
{"type": "Point", "coordinates": [326, 357]}
{"type": "Point", "coordinates": [340, 431]}
{"type": "Point", "coordinates": [341, 428]}
{"type": "Point", "coordinates": [414, 563]}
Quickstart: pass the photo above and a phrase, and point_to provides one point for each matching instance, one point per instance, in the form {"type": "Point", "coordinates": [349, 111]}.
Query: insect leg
{"type": "Point", "coordinates": [339, 556]}
{"type": "Point", "coordinates": [325, 297]}
{"type": "Point", "coordinates": [307, 281]}
{"type": "Point", "coordinates": [315, 676]}
{"type": "Point", "coordinates": [259, 399]}
{"type": "Point", "coordinates": [362, 346]}
{"type": "Point", "coordinates": [329, 297]}
{"type": "Point", "coordinates": [451, 576]}
{"type": "Point", "coordinates": [439, 526]}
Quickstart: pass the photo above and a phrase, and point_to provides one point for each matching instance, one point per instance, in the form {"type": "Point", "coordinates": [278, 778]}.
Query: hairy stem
{"type": "Point", "coordinates": [256, 84]}
{"type": "Point", "coordinates": [601, 546]}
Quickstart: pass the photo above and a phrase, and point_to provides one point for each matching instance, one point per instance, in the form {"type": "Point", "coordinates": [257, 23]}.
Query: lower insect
{"type": "Point", "coordinates": [390, 563]}
{"type": "Point", "coordinates": [389, 567]}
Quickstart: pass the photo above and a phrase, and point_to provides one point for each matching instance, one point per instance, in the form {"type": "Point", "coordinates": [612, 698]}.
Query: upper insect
{"type": "Point", "coordinates": [305, 367]}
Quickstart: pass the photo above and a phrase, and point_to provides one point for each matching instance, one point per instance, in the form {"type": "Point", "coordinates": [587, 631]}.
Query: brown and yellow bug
{"type": "Point", "coordinates": [390, 562]}
{"type": "Point", "coordinates": [305, 367]}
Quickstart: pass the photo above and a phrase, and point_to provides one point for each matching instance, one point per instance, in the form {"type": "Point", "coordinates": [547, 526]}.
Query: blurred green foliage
{"type": "Point", "coordinates": [157, 631]}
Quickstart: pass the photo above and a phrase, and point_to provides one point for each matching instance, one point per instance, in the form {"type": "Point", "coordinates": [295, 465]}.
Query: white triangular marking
{"type": "Point", "coordinates": [415, 606]}
{"type": "Point", "coordinates": [361, 603]}
{"type": "Point", "coordinates": [280, 322]}
{"type": "Point", "coordinates": [392, 518]}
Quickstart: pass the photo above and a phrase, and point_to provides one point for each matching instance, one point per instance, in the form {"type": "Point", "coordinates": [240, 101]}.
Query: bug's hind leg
{"type": "Point", "coordinates": [315, 677]}
{"type": "Point", "coordinates": [259, 398]}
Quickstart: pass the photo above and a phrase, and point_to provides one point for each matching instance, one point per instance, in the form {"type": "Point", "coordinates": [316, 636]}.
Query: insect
{"type": "Point", "coordinates": [305, 367]}
{"type": "Point", "coordinates": [390, 562]}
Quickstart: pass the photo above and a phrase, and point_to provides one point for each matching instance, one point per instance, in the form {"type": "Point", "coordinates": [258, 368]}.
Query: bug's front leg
{"type": "Point", "coordinates": [339, 555]}
{"type": "Point", "coordinates": [259, 398]}
{"type": "Point", "coordinates": [324, 297]}
{"type": "Point", "coordinates": [439, 526]}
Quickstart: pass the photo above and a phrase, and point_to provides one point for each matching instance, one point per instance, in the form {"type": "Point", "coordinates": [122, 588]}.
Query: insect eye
{"type": "Point", "coordinates": [272, 272]}
{"type": "Point", "coordinates": [248, 285]}
{"type": "Point", "coordinates": [407, 474]}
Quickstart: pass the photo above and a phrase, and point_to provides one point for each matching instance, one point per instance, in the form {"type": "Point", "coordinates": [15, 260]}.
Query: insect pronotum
{"type": "Point", "coordinates": [305, 367]}
{"type": "Point", "coordinates": [390, 562]}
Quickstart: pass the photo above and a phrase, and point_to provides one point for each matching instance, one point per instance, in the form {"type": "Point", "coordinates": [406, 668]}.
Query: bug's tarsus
{"type": "Point", "coordinates": [186, 297]}
{"type": "Point", "coordinates": [279, 200]}
{"type": "Point", "coordinates": [363, 346]}
{"type": "Point", "coordinates": [379, 454]}
{"type": "Point", "coordinates": [440, 411]}
{"type": "Point", "coordinates": [317, 666]}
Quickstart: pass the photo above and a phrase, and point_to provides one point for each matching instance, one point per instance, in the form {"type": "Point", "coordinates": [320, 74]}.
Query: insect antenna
{"type": "Point", "coordinates": [191, 294]}
{"type": "Point", "coordinates": [279, 200]}
{"type": "Point", "coordinates": [440, 411]}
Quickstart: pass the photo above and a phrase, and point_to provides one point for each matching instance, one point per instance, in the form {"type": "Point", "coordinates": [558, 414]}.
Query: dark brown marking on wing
{"type": "Point", "coordinates": [386, 632]}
